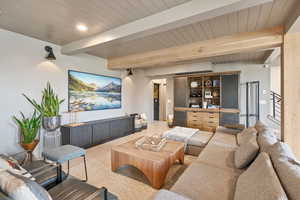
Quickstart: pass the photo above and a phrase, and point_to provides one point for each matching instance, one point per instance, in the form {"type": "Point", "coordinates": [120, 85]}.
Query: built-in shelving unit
{"type": "Point", "coordinates": [207, 100]}
{"type": "Point", "coordinates": [205, 91]}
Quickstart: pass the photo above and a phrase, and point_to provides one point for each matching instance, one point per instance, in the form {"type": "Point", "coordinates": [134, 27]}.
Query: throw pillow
{"type": "Point", "coordinates": [260, 127]}
{"type": "Point", "coordinates": [265, 140]}
{"type": "Point", "coordinates": [288, 169]}
{"type": "Point", "coordinates": [259, 182]}
{"type": "Point", "coordinates": [245, 135]}
{"type": "Point", "coordinates": [280, 149]}
{"type": "Point", "coordinates": [20, 188]}
{"type": "Point", "coordinates": [246, 153]}
{"type": "Point", "coordinates": [10, 164]}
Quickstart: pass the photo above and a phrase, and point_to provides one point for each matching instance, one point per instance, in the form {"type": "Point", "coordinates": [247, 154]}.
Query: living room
{"type": "Point", "coordinates": [228, 68]}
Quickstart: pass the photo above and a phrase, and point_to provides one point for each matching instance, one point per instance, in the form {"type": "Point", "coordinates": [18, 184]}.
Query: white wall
{"type": "Point", "coordinates": [275, 79]}
{"type": "Point", "coordinates": [23, 69]}
{"type": "Point", "coordinates": [251, 72]}
{"type": "Point", "coordinates": [141, 94]}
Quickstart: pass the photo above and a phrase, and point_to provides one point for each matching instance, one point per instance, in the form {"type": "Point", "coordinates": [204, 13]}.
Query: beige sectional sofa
{"type": "Point", "coordinates": [213, 176]}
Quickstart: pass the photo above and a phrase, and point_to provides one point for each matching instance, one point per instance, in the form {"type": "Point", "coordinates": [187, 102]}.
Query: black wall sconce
{"type": "Point", "coordinates": [129, 72]}
{"type": "Point", "coordinates": [50, 55]}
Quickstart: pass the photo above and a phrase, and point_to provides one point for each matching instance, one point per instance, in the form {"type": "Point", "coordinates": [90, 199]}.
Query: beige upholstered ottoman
{"type": "Point", "coordinates": [197, 142]}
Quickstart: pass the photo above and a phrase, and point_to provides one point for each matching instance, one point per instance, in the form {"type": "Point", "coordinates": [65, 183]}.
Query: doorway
{"type": "Point", "coordinates": [251, 96]}
{"type": "Point", "coordinates": [156, 101]}
{"type": "Point", "coordinates": [159, 99]}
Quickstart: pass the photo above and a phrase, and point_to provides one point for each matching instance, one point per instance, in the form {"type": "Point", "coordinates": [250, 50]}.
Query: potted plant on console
{"type": "Point", "coordinates": [29, 128]}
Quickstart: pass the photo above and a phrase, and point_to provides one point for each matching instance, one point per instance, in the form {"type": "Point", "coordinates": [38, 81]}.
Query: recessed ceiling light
{"type": "Point", "coordinates": [82, 27]}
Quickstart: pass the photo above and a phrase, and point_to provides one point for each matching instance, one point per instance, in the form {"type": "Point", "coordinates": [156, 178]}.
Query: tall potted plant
{"type": "Point", "coordinates": [29, 128]}
{"type": "Point", "coordinates": [49, 108]}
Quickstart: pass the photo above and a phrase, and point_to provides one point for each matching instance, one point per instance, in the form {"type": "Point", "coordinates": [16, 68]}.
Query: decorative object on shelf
{"type": "Point", "coordinates": [211, 106]}
{"type": "Point", "coordinates": [30, 129]}
{"type": "Point", "coordinates": [194, 84]}
{"type": "Point", "coordinates": [50, 55]}
{"type": "Point", "coordinates": [195, 106]}
{"type": "Point", "coordinates": [195, 94]}
{"type": "Point", "coordinates": [207, 94]}
{"type": "Point", "coordinates": [216, 83]}
{"type": "Point", "coordinates": [73, 119]}
{"type": "Point", "coordinates": [215, 94]}
{"type": "Point", "coordinates": [89, 92]}
{"type": "Point", "coordinates": [208, 83]}
{"type": "Point", "coordinates": [170, 120]}
{"type": "Point", "coordinates": [51, 120]}
{"type": "Point", "coordinates": [152, 143]}
{"type": "Point", "coordinates": [204, 104]}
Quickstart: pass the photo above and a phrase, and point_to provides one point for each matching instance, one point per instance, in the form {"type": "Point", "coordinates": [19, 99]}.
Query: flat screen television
{"type": "Point", "coordinates": [89, 91]}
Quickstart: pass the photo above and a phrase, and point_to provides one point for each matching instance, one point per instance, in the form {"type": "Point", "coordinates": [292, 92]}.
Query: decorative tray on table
{"type": "Point", "coordinates": [151, 143]}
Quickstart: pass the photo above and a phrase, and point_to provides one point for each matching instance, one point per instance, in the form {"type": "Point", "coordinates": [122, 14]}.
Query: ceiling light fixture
{"type": "Point", "coordinates": [50, 55]}
{"type": "Point", "coordinates": [129, 72]}
{"type": "Point", "coordinates": [82, 27]}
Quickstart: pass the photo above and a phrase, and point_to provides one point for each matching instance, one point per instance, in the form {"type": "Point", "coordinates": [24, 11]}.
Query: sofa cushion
{"type": "Point", "coordinates": [287, 168]}
{"type": "Point", "coordinates": [203, 182]}
{"type": "Point", "coordinates": [220, 156]}
{"type": "Point", "coordinates": [224, 138]}
{"type": "Point", "coordinates": [200, 139]}
{"type": "Point", "coordinates": [280, 149]}
{"type": "Point", "coordinates": [20, 188]}
{"type": "Point", "coordinates": [260, 127]}
{"type": "Point", "coordinates": [245, 134]}
{"type": "Point", "coordinates": [259, 182]}
{"type": "Point", "coordinates": [246, 153]}
{"type": "Point", "coordinates": [265, 140]}
{"type": "Point", "coordinates": [165, 194]}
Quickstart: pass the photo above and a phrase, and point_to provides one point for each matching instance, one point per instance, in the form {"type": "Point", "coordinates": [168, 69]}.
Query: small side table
{"type": "Point", "coordinates": [64, 154]}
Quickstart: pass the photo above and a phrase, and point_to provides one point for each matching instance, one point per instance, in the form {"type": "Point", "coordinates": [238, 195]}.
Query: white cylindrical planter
{"type": "Point", "coordinates": [52, 139]}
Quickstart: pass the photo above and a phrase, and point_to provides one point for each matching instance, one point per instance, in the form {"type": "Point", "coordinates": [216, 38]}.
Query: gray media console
{"type": "Point", "coordinates": [97, 132]}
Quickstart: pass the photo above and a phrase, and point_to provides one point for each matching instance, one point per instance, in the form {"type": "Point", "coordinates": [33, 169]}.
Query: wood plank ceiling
{"type": "Point", "coordinates": [55, 20]}
{"type": "Point", "coordinates": [247, 20]}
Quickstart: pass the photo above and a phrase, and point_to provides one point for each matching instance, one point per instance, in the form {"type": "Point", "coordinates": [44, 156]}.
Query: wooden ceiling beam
{"type": "Point", "coordinates": [239, 43]}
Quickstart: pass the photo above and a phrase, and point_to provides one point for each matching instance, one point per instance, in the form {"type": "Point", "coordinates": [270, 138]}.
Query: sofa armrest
{"type": "Point", "coordinates": [230, 131]}
{"type": "Point", "coordinates": [168, 195]}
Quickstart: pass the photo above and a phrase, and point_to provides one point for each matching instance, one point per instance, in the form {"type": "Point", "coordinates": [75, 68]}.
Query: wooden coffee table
{"type": "Point", "coordinates": [154, 165]}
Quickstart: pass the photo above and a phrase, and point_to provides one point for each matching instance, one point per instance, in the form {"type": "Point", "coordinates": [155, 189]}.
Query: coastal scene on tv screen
{"type": "Point", "coordinates": [89, 92]}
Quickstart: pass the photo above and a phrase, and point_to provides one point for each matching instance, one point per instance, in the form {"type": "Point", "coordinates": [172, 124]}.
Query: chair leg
{"type": "Point", "coordinates": [59, 173]}
{"type": "Point", "coordinates": [85, 169]}
{"type": "Point", "coordinates": [105, 193]}
{"type": "Point", "coordinates": [68, 168]}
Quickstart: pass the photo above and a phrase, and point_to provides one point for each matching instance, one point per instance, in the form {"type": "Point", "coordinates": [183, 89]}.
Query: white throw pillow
{"type": "Point", "coordinates": [20, 188]}
{"type": "Point", "coordinates": [10, 164]}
